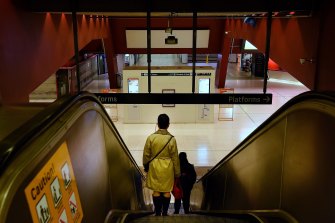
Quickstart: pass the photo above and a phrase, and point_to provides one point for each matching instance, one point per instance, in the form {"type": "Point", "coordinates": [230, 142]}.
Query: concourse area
{"type": "Point", "coordinates": [247, 90]}
{"type": "Point", "coordinates": [80, 166]}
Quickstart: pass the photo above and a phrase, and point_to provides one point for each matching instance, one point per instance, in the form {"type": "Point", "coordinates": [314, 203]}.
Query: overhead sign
{"type": "Point", "coordinates": [176, 74]}
{"type": "Point", "coordinates": [53, 194]}
{"type": "Point", "coordinates": [179, 98]}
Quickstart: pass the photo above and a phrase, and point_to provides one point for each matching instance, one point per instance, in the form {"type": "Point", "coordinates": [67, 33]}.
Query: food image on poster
{"type": "Point", "coordinates": [56, 192]}
{"type": "Point", "coordinates": [52, 194]}
{"type": "Point", "coordinates": [66, 175]}
{"type": "Point", "coordinates": [42, 210]}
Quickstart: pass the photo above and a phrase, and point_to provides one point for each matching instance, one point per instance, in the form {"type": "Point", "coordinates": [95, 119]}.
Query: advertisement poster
{"type": "Point", "coordinates": [53, 194]}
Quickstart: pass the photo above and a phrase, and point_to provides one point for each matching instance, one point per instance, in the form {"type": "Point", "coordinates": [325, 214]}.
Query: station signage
{"type": "Point", "coordinates": [183, 98]}
{"type": "Point", "coordinates": [176, 74]}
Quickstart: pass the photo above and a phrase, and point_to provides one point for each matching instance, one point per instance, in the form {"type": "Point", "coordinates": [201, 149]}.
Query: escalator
{"type": "Point", "coordinates": [69, 164]}
{"type": "Point", "coordinates": [283, 171]}
{"type": "Point", "coordinates": [190, 218]}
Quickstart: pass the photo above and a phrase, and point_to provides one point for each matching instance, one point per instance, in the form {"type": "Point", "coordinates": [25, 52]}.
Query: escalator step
{"type": "Point", "coordinates": [183, 219]}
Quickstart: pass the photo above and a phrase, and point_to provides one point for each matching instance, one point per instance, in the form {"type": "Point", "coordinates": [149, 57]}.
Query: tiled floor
{"type": "Point", "coordinates": [207, 144]}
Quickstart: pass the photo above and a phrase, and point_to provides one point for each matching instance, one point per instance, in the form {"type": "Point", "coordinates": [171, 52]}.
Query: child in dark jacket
{"type": "Point", "coordinates": [187, 179]}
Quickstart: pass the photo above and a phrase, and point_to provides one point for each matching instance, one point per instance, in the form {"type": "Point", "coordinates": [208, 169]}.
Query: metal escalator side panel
{"type": "Point", "coordinates": [286, 164]}
{"type": "Point", "coordinates": [101, 162]}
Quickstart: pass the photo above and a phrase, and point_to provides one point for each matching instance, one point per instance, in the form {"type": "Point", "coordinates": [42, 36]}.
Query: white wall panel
{"type": "Point", "coordinates": [138, 38]}
{"type": "Point", "coordinates": [180, 113]}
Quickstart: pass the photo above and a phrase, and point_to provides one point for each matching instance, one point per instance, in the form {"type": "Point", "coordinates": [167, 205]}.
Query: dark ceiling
{"type": "Point", "coordinates": [162, 8]}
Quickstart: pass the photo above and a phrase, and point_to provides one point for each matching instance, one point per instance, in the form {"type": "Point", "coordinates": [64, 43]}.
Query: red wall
{"type": "Point", "coordinates": [33, 46]}
{"type": "Point", "coordinates": [291, 39]}
{"type": "Point", "coordinates": [222, 64]}
{"type": "Point", "coordinates": [325, 76]}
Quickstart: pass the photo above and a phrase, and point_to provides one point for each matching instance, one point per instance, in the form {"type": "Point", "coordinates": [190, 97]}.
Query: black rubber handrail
{"type": "Point", "coordinates": [253, 215]}
{"type": "Point", "coordinates": [310, 95]}
{"type": "Point", "coordinates": [11, 145]}
{"type": "Point", "coordinates": [123, 216]}
{"type": "Point", "coordinates": [243, 216]}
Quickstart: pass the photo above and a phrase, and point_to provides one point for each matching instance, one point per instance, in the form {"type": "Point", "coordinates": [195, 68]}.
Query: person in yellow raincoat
{"type": "Point", "coordinates": [164, 168]}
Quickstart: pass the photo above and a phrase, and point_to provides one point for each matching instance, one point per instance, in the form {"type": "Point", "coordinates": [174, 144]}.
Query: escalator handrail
{"type": "Point", "coordinates": [123, 216]}
{"type": "Point", "coordinates": [232, 214]}
{"type": "Point", "coordinates": [10, 145]}
{"type": "Point", "coordinates": [253, 214]}
{"type": "Point", "coordinates": [310, 95]}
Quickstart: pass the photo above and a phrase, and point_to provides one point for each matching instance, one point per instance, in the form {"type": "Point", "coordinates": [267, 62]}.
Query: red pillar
{"type": "Point", "coordinates": [221, 70]}
{"type": "Point", "coordinates": [111, 61]}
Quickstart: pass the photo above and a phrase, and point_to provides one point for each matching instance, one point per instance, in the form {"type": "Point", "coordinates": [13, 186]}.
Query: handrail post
{"type": "Point", "coordinates": [149, 44]}
{"type": "Point", "coordinates": [194, 49]}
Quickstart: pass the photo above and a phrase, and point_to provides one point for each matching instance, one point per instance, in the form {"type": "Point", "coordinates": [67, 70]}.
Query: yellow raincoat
{"type": "Point", "coordinates": [165, 167]}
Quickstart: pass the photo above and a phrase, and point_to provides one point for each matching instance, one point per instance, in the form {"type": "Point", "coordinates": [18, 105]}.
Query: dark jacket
{"type": "Point", "coordinates": [188, 175]}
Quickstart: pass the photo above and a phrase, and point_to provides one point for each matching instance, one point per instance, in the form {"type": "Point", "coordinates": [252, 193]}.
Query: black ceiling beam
{"type": "Point", "coordinates": [165, 6]}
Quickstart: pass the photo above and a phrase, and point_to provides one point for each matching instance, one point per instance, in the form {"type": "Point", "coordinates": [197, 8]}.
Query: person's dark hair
{"type": "Point", "coordinates": [183, 158]}
{"type": "Point", "coordinates": [163, 121]}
